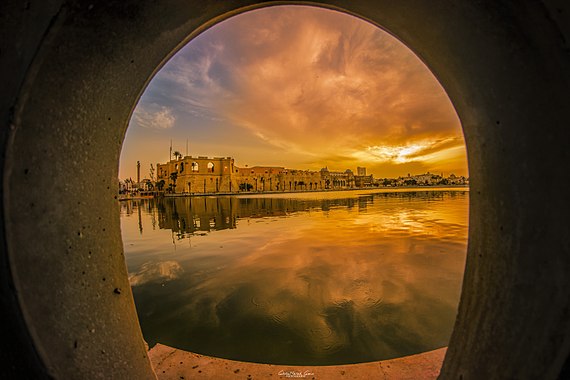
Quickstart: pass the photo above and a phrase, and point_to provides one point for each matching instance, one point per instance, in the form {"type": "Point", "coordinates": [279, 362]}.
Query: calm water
{"type": "Point", "coordinates": [305, 279]}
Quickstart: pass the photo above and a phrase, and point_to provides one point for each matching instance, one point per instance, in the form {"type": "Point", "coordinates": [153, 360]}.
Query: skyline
{"type": "Point", "coordinates": [298, 87]}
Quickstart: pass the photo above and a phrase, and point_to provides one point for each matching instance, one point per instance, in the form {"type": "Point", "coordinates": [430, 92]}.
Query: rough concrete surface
{"type": "Point", "coordinates": [71, 73]}
{"type": "Point", "coordinates": [173, 364]}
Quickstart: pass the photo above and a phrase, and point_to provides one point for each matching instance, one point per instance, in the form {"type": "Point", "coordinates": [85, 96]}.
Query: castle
{"type": "Point", "coordinates": [220, 175]}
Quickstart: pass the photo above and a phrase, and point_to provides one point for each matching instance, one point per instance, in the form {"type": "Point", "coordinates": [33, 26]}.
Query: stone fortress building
{"type": "Point", "coordinates": [220, 175]}
{"type": "Point", "coordinates": [198, 175]}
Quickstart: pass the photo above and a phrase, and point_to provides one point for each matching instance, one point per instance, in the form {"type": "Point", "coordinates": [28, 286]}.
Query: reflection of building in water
{"type": "Point", "coordinates": [190, 216]}
{"type": "Point", "coordinates": [194, 215]}
{"type": "Point", "coordinates": [220, 175]}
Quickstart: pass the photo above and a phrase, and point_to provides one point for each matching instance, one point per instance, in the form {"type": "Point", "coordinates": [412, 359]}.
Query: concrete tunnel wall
{"type": "Point", "coordinates": [71, 73]}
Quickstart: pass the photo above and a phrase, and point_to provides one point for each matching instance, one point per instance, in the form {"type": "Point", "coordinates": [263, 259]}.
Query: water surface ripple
{"type": "Point", "coordinates": [302, 279]}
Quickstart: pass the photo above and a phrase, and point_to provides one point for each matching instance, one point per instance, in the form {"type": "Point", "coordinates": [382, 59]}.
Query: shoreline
{"type": "Point", "coordinates": [255, 193]}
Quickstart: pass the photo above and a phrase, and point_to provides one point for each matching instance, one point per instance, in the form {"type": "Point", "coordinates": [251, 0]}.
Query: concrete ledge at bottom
{"type": "Point", "coordinates": [173, 364]}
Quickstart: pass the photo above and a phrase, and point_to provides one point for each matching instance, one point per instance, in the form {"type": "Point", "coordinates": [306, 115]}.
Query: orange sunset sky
{"type": "Point", "coordinates": [299, 87]}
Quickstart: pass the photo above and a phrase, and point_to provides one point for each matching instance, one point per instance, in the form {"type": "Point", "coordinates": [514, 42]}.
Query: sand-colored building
{"type": "Point", "coordinates": [338, 180]}
{"type": "Point", "coordinates": [271, 178]}
{"type": "Point", "coordinates": [198, 175]}
{"type": "Point", "coordinates": [219, 175]}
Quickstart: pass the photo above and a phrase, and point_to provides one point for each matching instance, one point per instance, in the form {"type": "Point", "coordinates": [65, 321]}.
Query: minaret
{"type": "Point", "coordinates": [138, 172]}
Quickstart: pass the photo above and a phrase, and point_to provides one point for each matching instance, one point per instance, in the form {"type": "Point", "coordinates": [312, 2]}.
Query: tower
{"type": "Point", "coordinates": [138, 172]}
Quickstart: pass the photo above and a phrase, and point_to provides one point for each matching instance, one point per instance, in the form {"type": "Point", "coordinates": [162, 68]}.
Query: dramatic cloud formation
{"type": "Point", "coordinates": [336, 89]}
{"type": "Point", "coordinates": [305, 87]}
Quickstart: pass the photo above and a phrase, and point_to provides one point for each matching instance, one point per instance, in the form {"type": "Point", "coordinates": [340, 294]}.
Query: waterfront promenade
{"type": "Point", "coordinates": [172, 364]}
{"type": "Point", "coordinates": [124, 197]}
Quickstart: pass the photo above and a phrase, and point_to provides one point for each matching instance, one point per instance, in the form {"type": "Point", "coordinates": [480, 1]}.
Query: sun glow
{"type": "Point", "coordinates": [401, 154]}
{"type": "Point", "coordinates": [298, 87]}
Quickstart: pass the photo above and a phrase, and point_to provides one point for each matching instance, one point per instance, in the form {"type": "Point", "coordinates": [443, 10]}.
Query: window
{"type": "Point", "coordinates": [195, 166]}
{"type": "Point", "coordinates": [210, 167]}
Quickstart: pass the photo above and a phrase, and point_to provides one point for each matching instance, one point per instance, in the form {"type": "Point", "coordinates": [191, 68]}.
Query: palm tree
{"type": "Point", "coordinates": [177, 154]}
{"type": "Point", "coordinates": [151, 172]}
{"type": "Point", "coordinates": [174, 177]}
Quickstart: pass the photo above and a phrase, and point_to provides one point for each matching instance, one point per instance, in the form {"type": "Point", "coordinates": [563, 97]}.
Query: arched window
{"type": "Point", "coordinates": [195, 166]}
{"type": "Point", "coordinates": [181, 167]}
{"type": "Point", "coordinates": [210, 167]}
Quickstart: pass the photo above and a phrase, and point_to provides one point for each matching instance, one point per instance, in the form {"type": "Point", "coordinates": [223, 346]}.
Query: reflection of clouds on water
{"type": "Point", "coordinates": [161, 271]}
{"type": "Point", "coordinates": [318, 287]}
{"type": "Point", "coordinates": [338, 300]}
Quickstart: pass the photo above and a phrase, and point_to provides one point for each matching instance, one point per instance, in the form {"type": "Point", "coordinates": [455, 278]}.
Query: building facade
{"type": "Point", "coordinates": [271, 178]}
{"type": "Point", "coordinates": [338, 180]}
{"type": "Point", "coordinates": [219, 175]}
{"type": "Point", "coordinates": [197, 175]}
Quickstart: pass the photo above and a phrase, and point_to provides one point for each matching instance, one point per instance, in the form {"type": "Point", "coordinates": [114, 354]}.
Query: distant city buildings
{"type": "Point", "coordinates": [210, 175]}
{"type": "Point", "coordinates": [427, 179]}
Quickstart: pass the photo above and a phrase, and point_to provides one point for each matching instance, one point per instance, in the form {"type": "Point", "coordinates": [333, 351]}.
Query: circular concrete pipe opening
{"type": "Point", "coordinates": [504, 67]}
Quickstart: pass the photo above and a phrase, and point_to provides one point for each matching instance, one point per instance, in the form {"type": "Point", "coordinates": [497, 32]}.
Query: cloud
{"type": "Point", "coordinates": [160, 271]}
{"type": "Point", "coordinates": [194, 81]}
{"type": "Point", "coordinates": [355, 289]}
{"type": "Point", "coordinates": [417, 151]}
{"type": "Point", "coordinates": [309, 83]}
{"type": "Point", "coordinates": [154, 116]}
{"type": "Point", "coordinates": [322, 81]}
